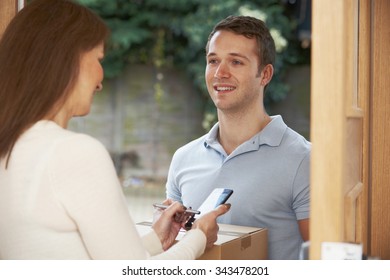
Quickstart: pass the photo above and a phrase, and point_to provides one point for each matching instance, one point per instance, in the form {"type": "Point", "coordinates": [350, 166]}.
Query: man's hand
{"type": "Point", "coordinates": [208, 223]}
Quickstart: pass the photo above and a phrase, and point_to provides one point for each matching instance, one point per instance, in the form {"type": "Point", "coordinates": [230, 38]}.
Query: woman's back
{"type": "Point", "coordinates": [43, 205]}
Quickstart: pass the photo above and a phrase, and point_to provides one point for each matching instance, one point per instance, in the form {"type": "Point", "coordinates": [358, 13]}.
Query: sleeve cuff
{"type": "Point", "coordinates": [152, 243]}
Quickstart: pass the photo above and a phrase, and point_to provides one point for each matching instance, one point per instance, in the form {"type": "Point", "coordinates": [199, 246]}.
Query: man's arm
{"type": "Point", "coordinates": [304, 229]}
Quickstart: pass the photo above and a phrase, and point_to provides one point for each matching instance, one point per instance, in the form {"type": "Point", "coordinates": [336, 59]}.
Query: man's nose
{"type": "Point", "coordinates": [222, 71]}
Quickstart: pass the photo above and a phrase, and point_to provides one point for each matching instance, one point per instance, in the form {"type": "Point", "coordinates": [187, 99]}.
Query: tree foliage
{"type": "Point", "coordinates": [173, 33]}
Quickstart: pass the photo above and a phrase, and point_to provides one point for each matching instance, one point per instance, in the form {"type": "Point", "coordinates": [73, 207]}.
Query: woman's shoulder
{"type": "Point", "coordinates": [64, 138]}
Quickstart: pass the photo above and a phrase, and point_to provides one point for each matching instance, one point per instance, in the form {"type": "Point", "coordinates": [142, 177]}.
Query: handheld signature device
{"type": "Point", "coordinates": [217, 197]}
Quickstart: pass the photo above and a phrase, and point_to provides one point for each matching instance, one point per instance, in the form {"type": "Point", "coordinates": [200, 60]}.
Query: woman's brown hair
{"type": "Point", "coordinates": [39, 62]}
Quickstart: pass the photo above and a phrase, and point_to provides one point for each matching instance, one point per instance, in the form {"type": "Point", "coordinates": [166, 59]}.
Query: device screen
{"type": "Point", "coordinates": [217, 196]}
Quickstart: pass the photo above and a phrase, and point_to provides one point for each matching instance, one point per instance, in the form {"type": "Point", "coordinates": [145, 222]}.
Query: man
{"type": "Point", "coordinates": [266, 163]}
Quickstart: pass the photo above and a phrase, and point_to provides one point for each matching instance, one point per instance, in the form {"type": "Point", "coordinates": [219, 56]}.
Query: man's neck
{"type": "Point", "coordinates": [233, 130]}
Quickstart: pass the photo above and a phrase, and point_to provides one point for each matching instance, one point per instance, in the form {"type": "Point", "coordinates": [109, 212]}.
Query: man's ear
{"type": "Point", "coordinates": [266, 74]}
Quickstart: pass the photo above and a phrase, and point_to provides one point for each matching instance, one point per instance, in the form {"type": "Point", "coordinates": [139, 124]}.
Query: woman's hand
{"type": "Point", "coordinates": [167, 223]}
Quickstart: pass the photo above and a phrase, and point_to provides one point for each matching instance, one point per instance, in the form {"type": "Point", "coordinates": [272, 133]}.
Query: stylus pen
{"type": "Point", "coordinates": [163, 206]}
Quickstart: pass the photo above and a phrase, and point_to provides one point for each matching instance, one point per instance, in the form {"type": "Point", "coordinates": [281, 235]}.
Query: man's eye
{"type": "Point", "coordinates": [212, 61]}
{"type": "Point", "coordinates": [236, 62]}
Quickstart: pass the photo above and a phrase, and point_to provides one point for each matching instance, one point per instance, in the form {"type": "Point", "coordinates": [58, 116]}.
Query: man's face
{"type": "Point", "coordinates": [231, 75]}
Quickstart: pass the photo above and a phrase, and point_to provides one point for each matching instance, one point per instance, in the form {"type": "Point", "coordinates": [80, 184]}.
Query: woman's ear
{"type": "Point", "coordinates": [266, 74]}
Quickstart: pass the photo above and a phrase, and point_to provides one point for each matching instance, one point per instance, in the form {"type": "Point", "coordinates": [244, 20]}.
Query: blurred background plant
{"type": "Point", "coordinates": [173, 33]}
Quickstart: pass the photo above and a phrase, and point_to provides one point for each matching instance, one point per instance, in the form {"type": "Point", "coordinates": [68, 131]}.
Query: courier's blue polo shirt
{"type": "Point", "coordinates": [270, 176]}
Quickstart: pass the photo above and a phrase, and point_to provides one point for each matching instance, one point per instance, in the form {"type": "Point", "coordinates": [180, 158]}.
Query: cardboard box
{"type": "Point", "coordinates": [234, 242]}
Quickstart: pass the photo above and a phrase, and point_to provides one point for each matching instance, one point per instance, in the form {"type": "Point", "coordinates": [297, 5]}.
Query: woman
{"type": "Point", "coordinates": [59, 194]}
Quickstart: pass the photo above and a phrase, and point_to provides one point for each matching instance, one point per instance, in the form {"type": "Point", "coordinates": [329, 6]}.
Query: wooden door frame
{"type": "Point", "coordinates": [7, 11]}
{"type": "Point", "coordinates": [379, 230]}
{"type": "Point", "coordinates": [333, 84]}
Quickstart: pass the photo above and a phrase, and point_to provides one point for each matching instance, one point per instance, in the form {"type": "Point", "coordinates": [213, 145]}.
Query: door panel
{"type": "Point", "coordinates": [337, 126]}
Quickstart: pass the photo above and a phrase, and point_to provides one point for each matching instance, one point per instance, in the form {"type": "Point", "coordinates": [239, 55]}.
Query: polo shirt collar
{"type": "Point", "coordinates": [271, 135]}
{"type": "Point", "coordinates": [211, 137]}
